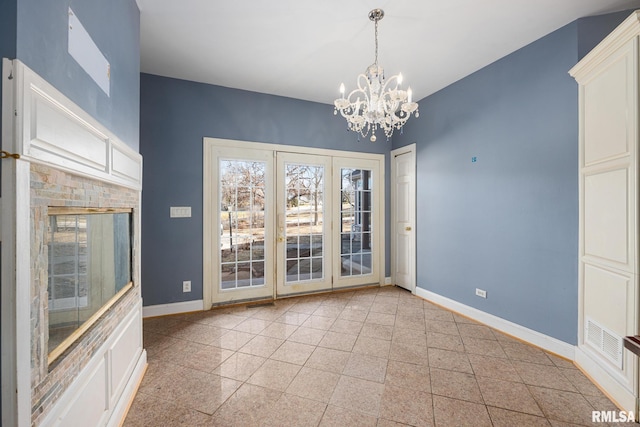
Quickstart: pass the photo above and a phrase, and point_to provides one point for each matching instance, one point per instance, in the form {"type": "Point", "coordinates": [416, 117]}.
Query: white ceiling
{"type": "Point", "coordinates": [304, 49]}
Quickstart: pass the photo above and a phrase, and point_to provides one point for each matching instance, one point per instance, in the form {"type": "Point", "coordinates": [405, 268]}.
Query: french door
{"type": "Point", "coordinates": [239, 255]}
{"type": "Point", "coordinates": [357, 221]}
{"type": "Point", "coordinates": [304, 197]}
{"type": "Point", "coordinates": [280, 223]}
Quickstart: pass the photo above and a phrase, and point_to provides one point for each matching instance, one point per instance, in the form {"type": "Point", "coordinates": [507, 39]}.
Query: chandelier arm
{"type": "Point", "coordinates": [363, 84]}
{"type": "Point", "coordinates": [394, 97]}
{"type": "Point", "coordinates": [392, 79]}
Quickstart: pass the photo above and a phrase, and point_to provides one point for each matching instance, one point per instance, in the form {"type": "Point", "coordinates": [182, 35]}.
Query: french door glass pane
{"type": "Point", "coordinates": [356, 222]}
{"type": "Point", "coordinates": [242, 202]}
{"type": "Point", "coordinates": [304, 222]}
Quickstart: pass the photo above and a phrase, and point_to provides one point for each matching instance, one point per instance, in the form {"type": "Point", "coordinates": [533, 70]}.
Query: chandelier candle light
{"type": "Point", "coordinates": [376, 103]}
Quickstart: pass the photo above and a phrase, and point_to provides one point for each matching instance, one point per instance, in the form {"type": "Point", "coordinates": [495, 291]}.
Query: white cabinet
{"type": "Point", "coordinates": [608, 182]}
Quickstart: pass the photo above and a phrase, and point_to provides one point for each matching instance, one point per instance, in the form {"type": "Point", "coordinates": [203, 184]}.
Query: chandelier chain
{"type": "Point", "coordinates": [376, 33]}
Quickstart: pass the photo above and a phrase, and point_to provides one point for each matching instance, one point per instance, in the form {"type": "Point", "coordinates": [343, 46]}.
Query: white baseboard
{"type": "Point", "coordinates": [120, 410]}
{"type": "Point", "coordinates": [173, 308]}
{"type": "Point", "coordinates": [613, 388]}
{"type": "Point", "coordinates": [387, 281]}
{"type": "Point", "coordinates": [543, 341]}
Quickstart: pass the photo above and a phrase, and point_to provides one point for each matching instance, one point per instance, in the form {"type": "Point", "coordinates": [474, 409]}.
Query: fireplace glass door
{"type": "Point", "coordinates": [89, 263]}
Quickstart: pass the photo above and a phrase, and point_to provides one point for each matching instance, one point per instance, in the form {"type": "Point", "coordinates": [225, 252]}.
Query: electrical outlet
{"type": "Point", "coordinates": [186, 286]}
{"type": "Point", "coordinates": [481, 293]}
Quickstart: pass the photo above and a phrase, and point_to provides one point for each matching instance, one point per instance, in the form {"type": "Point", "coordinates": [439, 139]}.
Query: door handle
{"type": "Point", "coordinates": [408, 228]}
{"type": "Point", "coordinates": [280, 239]}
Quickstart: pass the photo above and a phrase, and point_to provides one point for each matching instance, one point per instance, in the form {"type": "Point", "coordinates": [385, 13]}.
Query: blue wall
{"type": "Point", "coordinates": [114, 26]}
{"type": "Point", "coordinates": [593, 29]}
{"type": "Point", "coordinates": [507, 223]}
{"type": "Point", "coordinates": [8, 17]}
{"type": "Point", "coordinates": [175, 116]}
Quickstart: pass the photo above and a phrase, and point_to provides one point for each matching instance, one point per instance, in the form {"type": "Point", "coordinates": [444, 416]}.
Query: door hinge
{"type": "Point", "coordinates": [6, 155]}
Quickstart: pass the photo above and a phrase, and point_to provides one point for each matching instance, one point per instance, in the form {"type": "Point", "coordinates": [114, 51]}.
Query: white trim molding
{"type": "Point", "coordinates": [628, 29]}
{"type": "Point", "coordinates": [16, 269]}
{"type": "Point", "coordinates": [172, 308]}
{"type": "Point", "coordinates": [523, 333]}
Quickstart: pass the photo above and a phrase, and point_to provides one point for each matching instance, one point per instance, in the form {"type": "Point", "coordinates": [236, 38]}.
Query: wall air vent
{"type": "Point", "coordinates": [604, 341]}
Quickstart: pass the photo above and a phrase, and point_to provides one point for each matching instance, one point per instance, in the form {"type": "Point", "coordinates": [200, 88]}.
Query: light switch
{"type": "Point", "coordinates": [180, 212]}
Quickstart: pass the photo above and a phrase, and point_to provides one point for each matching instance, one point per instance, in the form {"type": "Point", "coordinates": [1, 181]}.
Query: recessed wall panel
{"type": "Point", "coordinates": [606, 215]}
{"type": "Point", "coordinates": [123, 354]}
{"type": "Point", "coordinates": [402, 256]}
{"type": "Point", "coordinates": [402, 200]}
{"type": "Point", "coordinates": [90, 407]}
{"type": "Point", "coordinates": [55, 131]}
{"type": "Point", "coordinates": [606, 298]}
{"type": "Point", "coordinates": [606, 113]}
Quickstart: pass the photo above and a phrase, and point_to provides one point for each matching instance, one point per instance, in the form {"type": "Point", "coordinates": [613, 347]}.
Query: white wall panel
{"type": "Point", "coordinates": [123, 355]}
{"type": "Point", "coordinates": [90, 406]}
{"type": "Point", "coordinates": [606, 297]}
{"type": "Point", "coordinates": [606, 216]}
{"type": "Point", "coordinates": [606, 105]}
{"type": "Point", "coordinates": [54, 130]}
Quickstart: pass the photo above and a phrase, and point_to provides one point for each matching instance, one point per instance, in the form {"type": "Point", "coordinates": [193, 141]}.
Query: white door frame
{"type": "Point", "coordinates": [210, 169]}
{"type": "Point", "coordinates": [411, 148]}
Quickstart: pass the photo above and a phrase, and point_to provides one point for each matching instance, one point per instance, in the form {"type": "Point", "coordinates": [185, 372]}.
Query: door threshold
{"type": "Point", "coordinates": [328, 291]}
{"type": "Point", "coordinates": [265, 302]}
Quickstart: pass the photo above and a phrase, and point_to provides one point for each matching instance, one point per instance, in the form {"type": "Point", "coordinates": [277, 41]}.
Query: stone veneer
{"type": "Point", "coordinates": [53, 187]}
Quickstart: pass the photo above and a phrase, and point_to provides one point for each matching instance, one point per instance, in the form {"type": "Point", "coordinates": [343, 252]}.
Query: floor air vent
{"type": "Point", "coordinates": [606, 342]}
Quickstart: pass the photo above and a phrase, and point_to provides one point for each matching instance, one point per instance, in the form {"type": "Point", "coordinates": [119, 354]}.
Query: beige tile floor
{"type": "Point", "coordinates": [372, 357]}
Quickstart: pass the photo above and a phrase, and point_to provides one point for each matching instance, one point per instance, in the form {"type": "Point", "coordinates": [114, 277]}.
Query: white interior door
{"type": "Point", "coordinates": [403, 211]}
{"type": "Point", "coordinates": [304, 198]}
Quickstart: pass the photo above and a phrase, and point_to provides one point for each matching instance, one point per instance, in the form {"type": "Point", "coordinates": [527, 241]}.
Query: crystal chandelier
{"type": "Point", "coordinates": [376, 103]}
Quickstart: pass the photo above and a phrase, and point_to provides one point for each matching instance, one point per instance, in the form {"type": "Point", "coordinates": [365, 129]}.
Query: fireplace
{"type": "Point", "coordinates": [71, 300]}
{"type": "Point", "coordinates": [84, 261]}
{"type": "Point", "coordinates": [89, 269]}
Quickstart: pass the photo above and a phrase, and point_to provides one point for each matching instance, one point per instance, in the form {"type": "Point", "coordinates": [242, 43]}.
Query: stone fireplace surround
{"type": "Point", "coordinates": [67, 159]}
